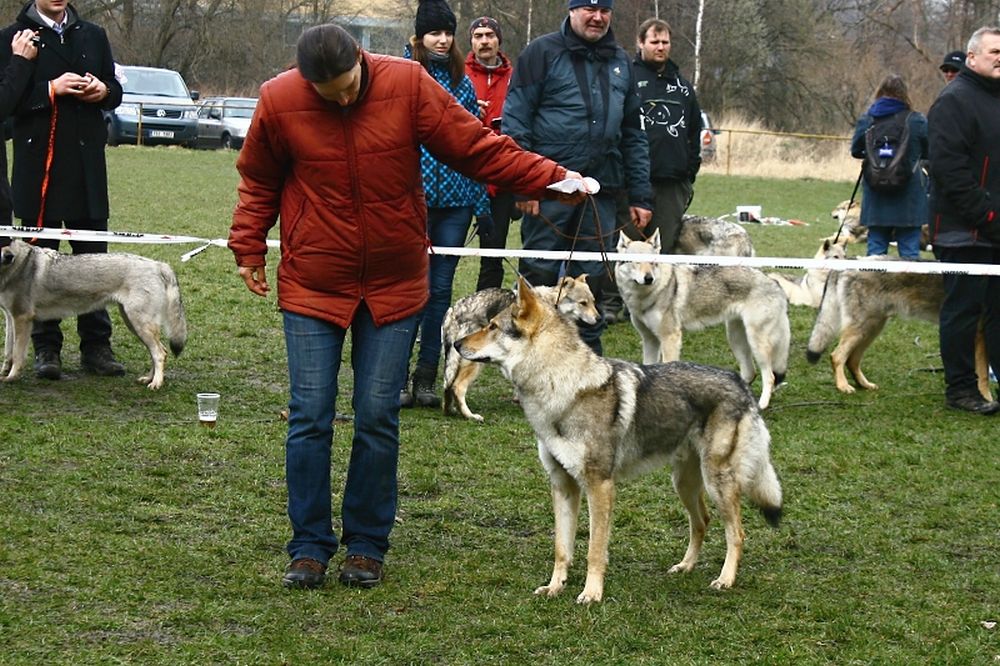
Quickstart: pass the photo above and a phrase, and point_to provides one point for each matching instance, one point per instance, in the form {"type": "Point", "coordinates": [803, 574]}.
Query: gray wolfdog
{"type": "Point", "coordinates": [599, 421]}
{"type": "Point", "coordinates": [38, 283]}
{"type": "Point", "coordinates": [712, 236]}
{"type": "Point", "coordinates": [856, 306]}
{"type": "Point", "coordinates": [475, 311]}
{"type": "Point", "coordinates": [664, 300]}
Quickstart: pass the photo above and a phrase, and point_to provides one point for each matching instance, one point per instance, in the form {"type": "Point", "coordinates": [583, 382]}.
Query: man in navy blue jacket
{"type": "Point", "coordinates": [964, 146]}
{"type": "Point", "coordinates": [572, 100]}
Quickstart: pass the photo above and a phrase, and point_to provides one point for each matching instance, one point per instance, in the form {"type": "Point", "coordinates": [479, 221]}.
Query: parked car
{"type": "Point", "coordinates": [708, 134]}
{"type": "Point", "coordinates": [223, 121]}
{"type": "Point", "coordinates": [156, 108]}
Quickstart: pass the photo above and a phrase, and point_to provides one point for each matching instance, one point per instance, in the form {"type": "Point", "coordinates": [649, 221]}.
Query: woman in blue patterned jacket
{"type": "Point", "coordinates": [451, 197]}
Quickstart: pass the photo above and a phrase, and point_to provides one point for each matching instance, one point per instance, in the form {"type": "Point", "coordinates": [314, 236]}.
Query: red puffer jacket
{"type": "Point", "coordinates": [345, 182]}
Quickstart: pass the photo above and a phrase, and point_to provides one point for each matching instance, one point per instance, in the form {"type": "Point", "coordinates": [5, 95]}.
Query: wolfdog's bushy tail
{"type": "Point", "coordinates": [176, 323]}
{"type": "Point", "coordinates": [759, 479]}
{"type": "Point", "coordinates": [827, 324]}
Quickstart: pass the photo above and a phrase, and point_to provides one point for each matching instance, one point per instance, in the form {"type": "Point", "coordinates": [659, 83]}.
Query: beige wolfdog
{"type": "Point", "coordinates": [469, 314]}
{"type": "Point", "coordinates": [664, 300]}
{"type": "Point", "coordinates": [38, 283]}
{"type": "Point", "coordinates": [599, 421]}
{"type": "Point", "coordinates": [856, 306]}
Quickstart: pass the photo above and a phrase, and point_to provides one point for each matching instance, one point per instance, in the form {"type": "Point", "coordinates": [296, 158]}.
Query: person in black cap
{"type": "Point", "coordinates": [952, 64]}
{"type": "Point", "coordinates": [451, 197]}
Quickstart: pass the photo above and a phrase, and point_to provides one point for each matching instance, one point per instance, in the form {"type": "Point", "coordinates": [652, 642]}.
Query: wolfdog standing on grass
{"type": "Point", "coordinates": [599, 421]}
{"type": "Point", "coordinates": [856, 306]}
{"type": "Point", "coordinates": [664, 300]}
{"type": "Point", "coordinates": [39, 283]}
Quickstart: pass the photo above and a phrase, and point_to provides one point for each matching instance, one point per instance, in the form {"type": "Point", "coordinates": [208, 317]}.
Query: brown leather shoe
{"type": "Point", "coordinates": [360, 571]}
{"type": "Point", "coordinates": [304, 573]}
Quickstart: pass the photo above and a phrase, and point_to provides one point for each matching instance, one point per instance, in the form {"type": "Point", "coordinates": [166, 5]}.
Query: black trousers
{"type": "Point", "coordinates": [491, 268]}
{"type": "Point", "coordinates": [967, 298]}
{"type": "Point", "coordinates": [94, 328]}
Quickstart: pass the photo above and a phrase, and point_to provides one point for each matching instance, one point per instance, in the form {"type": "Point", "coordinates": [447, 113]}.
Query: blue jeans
{"type": "Point", "coordinates": [446, 227]}
{"type": "Point", "coordinates": [907, 241]}
{"type": "Point", "coordinates": [379, 356]}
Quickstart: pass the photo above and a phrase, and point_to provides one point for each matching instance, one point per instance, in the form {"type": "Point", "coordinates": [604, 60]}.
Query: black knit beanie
{"type": "Point", "coordinates": [434, 15]}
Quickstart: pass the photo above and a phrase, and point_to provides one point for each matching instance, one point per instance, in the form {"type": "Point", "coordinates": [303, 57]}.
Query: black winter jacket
{"type": "Point", "coordinates": [672, 119]}
{"type": "Point", "coordinates": [964, 148]}
{"type": "Point", "coordinates": [15, 79]}
{"type": "Point", "coordinates": [78, 182]}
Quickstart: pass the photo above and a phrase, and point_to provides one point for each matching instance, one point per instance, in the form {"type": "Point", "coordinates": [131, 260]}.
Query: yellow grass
{"type": "Point", "coordinates": [747, 148]}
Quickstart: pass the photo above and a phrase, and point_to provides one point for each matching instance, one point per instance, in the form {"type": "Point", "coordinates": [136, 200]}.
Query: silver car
{"type": "Point", "coordinates": [223, 121]}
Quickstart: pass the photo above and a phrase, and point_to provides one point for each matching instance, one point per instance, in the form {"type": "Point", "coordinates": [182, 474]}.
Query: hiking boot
{"type": "Point", "coordinates": [48, 365]}
{"type": "Point", "coordinates": [423, 387]}
{"type": "Point", "coordinates": [360, 571]}
{"type": "Point", "coordinates": [304, 573]}
{"type": "Point", "coordinates": [102, 362]}
{"type": "Point", "coordinates": [975, 403]}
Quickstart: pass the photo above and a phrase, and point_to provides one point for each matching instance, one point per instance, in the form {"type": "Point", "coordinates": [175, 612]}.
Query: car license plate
{"type": "Point", "coordinates": [161, 134]}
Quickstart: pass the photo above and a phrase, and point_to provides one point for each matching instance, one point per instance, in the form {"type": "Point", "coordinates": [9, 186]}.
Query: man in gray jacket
{"type": "Point", "coordinates": [572, 100]}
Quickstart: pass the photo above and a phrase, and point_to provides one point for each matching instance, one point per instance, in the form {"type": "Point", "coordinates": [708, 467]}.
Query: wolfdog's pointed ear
{"type": "Point", "coordinates": [654, 240]}
{"type": "Point", "coordinates": [526, 303]}
{"type": "Point", "coordinates": [582, 278]}
{"type": "Point", "coordinates": [622, 241]}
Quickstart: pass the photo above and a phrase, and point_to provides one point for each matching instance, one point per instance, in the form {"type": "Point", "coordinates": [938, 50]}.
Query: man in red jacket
{"type": "Point", "coordinates": [490, 71]}
{"type": "Point", "coordinates": [334, 152]}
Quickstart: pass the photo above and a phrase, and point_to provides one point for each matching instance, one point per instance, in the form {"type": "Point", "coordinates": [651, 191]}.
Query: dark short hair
{"type": "Point", "coordinates": [894, 86]}
{"type": "Point", "coordinates": [324, 52]}
{"type": "Point", "coordinates": [654, 24]}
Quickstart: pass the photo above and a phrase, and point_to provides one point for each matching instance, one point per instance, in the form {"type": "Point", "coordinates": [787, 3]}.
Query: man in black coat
{"type": "Point", "coordinates": [59, 118]}
{"type": "Point", "coordinates": [964, 143]}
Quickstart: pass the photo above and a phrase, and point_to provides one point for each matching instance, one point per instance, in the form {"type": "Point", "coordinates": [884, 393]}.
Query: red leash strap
{"type": "Point", "coordinates": [49, 154]}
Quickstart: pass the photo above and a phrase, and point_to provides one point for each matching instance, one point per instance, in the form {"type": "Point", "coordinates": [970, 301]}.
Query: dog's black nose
{"type": "Point", "coordinates": [647, 279]}
{"type": "Point", "coordinates": [6, 258]}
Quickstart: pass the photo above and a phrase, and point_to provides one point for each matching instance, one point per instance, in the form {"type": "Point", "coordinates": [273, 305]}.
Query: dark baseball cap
{"type": "Point", "coordinates": [953, 61]}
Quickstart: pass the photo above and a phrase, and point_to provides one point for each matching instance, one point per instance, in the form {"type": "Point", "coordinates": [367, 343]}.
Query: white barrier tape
{"type": "Point", "coordinates": [90, 235]}
{"type": "Point", "coordinates": [876, 265]}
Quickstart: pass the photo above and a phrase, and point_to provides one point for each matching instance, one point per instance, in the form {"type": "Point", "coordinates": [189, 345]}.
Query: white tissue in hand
{"type": "Point", "coordinates": [571, 185]}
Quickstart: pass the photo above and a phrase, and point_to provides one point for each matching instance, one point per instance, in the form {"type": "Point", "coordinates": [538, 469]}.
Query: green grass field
{"type": "Point", "coordinates": [129, 534]}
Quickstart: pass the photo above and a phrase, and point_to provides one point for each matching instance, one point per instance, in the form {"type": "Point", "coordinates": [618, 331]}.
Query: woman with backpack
{"type": "Point", "coordinates": [891, 139]}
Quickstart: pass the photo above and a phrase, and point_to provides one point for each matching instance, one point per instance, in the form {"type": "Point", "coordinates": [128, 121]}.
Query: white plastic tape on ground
{"type": "Point", "coordinates": [877, 265]}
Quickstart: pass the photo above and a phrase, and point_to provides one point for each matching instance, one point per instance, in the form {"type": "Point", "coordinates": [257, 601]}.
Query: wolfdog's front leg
{"type": "Point", "coordinates": [16, 339]}
{"type": "Point", "coordinates": [8, 344]}
{"type": "Point", "coordinates": [600, 502]}
{"type": "Point", "coordinates": [566, 505]}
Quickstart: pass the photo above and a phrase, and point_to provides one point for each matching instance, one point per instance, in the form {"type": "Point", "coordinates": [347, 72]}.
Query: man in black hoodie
{"type": "Point", "coordinates": [964, 143]}
{"type": "Point", "coordinates": [671, 117]}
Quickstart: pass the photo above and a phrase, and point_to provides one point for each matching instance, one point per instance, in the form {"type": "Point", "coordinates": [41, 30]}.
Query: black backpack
{"type": "Point", "coordinates": [887, 160]}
